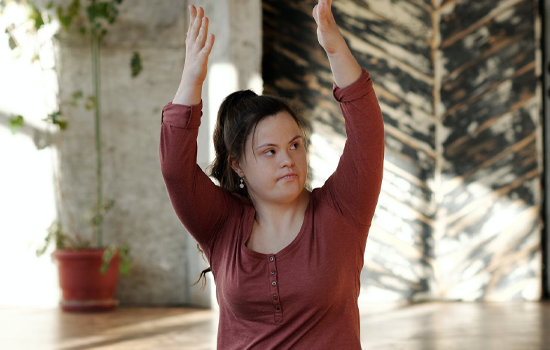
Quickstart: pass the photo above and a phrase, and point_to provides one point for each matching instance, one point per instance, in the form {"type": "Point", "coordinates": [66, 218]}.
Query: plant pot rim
{"type": "Point", "coordinates": [79, 253]}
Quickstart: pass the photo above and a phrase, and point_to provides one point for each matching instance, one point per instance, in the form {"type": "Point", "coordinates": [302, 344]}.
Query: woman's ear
{"type": "Point", "coordinates": [235, 166]}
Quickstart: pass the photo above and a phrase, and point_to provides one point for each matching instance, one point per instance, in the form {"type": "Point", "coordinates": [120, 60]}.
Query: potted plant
{"type": "Point", "coordinates": [88, 274]}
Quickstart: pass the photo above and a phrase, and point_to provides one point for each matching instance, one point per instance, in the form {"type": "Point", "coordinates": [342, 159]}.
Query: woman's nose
{"type": "Point", "coordinates": [287, 159]}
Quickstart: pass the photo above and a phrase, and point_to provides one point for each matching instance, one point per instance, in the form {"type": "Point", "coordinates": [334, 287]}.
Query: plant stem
{"type": "Point", "coordinates": [96, 84]}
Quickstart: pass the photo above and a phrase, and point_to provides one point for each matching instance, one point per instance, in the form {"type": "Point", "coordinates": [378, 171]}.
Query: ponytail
{"type": "Point", "coordinates": [230, 131]}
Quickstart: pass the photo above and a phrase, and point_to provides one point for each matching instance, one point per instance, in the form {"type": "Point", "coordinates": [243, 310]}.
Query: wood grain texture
{"type": "Point", "coordinates": [489, 247]}
{"type": "Point", "coordinates": [384, 326]}
{"type": "Point", "coordinates": [457, 85]}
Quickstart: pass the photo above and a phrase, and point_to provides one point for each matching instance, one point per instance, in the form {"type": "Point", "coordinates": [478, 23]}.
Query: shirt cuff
{"type": "Point", "coordinates": [359, 88]}
{"type": "Point", "coordinates": [182, 116]}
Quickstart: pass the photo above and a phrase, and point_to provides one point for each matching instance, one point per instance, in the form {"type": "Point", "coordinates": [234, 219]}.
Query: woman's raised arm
{"type": "Point", "coordinates": [200, 205]}
{"type": "Point", "coordinates": [355, 185]}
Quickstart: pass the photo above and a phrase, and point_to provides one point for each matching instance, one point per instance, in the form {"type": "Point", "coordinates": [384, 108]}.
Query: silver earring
{"type": "Point", "coordinates": [242, 183]}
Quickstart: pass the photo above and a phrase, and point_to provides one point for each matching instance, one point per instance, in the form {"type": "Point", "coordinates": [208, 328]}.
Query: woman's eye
{"type": "Point", "coordinates": [270, 150]}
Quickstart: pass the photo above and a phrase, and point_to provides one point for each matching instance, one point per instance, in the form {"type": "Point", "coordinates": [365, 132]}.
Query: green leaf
{"type": "Point", "coordinates": [66, 17]}
{"type": "Point", "coordinates": [91, 103]}
{"type": "Point", "coordinates": [54, 119]}
{"type": "Point", "coordinates": [113, 13]}
{"type": "Point", "coordinates": [105, 267]}
{"type": "Point", "coordinates": [16, 123]}
{"type": "Point", "coordinates": [97, 220]}
{"type": "Point", "coordinates": [102, 33]}
{"type": "Point", "coordinates": [35, 15]}
{"type": "Point", "coordinates": [53, 116]}
{"type": "Point", "coordinates": [49, 6]}
{"type": "Point", "coordinates": [125, 264]}
{"type": "Point", "coordinates": [62, 125]}
{"type": "Point", "coordinates": [12, 43]}
{"type": "Point", "coordinates": [114, 8]}
{"type": "Point", "coordinates": [63, 19]}
{"type": "Point", "coordinates": [135, 64]}
{"type": "Point", "coordinates": [107, 257]}
{"type": "Point", "coordinates": [40, 252]}
{"type": "Point", "coordinates": [55, 230]}
{"type": "Point", "coordinates": [107, 205]}
{"type": "Point", "coordinates": [77, 94]}
{"type": "Point", "coordinates": [92, 13]}
{"type": "Point", "coordinates": [74, 8]}
{"type": "Point", "coordinates": [103, 10]}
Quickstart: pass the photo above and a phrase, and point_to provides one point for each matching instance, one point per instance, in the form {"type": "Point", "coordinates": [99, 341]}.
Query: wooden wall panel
{"type": "Point", "coordinates": [489, 247]}
{"type": "Point", "coordinates": [458, 216]}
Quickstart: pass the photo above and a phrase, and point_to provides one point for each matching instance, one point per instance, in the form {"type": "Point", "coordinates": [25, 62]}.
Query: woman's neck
{"type": "Point", "coordinates": [279, 217]}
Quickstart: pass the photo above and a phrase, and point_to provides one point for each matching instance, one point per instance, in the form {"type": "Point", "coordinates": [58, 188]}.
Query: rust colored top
{"type": "Point", "coordinates": [304, 296]}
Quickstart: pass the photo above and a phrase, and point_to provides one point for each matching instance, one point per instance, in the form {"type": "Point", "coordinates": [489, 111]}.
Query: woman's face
{"type": "Point", "coordinates": [278, 150]}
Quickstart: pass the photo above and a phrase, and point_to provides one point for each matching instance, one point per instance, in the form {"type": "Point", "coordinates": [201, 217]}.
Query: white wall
{"type": "Point", "coordinates": [27, 196]}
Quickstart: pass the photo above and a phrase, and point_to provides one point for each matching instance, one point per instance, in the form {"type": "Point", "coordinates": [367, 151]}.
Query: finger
{"type": "Point", "coordinates": [315, 14]}
{"type": "Point", "coordinates": [208, 46]}
{"type": "Point", "coordinates": [318, 13]}
{"type": "Point", "coordinates": [197, 23]}
{"type": "Point", "coordinates": [192, 15]}
{"type": "Point", "coordinates": [321, 13]}
{"type": "Point", "coordinates": [203, 32]}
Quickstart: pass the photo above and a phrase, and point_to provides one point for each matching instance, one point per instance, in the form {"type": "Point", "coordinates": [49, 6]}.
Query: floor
{"type": "Point", "coordinates": [422, 326]}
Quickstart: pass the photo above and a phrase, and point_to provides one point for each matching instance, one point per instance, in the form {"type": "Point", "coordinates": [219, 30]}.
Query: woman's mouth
{"type": "Point", "coordinates": [289, 177]}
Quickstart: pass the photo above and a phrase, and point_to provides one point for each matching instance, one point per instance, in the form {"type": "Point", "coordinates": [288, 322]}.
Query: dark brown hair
{"type": "Point", "coordinates": [238, 117]}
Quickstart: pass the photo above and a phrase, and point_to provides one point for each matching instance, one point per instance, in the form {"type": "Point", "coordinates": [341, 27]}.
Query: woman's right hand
{"type": "Point", "coordinates": [198, 46]}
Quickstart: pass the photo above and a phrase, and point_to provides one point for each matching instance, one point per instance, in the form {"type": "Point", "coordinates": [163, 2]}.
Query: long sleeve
{"type": "Point", "coordinates": [355, 185]}
{"type": "Point", "coordinates": [201, 205]}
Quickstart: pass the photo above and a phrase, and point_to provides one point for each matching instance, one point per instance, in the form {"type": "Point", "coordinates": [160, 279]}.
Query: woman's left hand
{"type": "Point", "coordinates": [328, 34]}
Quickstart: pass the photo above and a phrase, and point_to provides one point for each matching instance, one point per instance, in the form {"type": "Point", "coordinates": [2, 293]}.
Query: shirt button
{"type": "Point", "coordinates": [272, 272]}
{"type": "Point", "coordinates": [277, 307]}
{"type": "Point", "coordinates": [273, 283]}
{"type": "Point", "coordinates": [275, 297]}
{"type": "Point", "coordinates": [271, 258]}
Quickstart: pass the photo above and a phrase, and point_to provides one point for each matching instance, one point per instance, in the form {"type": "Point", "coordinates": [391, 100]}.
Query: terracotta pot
{"type": "Point", "coordinates": [84, 288]}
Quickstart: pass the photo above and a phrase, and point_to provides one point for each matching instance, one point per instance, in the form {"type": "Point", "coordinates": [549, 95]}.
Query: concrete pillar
{"type": "Point", "coordinates": [167, 260]}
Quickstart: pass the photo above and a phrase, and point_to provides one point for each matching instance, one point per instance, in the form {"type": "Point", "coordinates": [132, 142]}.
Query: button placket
{"type": "Point", "coordinates": [275, 289]}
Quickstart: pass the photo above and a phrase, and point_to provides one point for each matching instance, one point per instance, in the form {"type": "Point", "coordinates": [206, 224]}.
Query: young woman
{"type": "Point", "coordinates": [286, 261]}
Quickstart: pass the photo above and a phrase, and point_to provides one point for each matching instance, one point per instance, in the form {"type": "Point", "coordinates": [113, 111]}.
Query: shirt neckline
{"type": "Point", "coordinates": [285, 250]}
